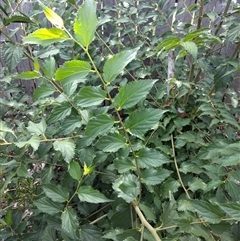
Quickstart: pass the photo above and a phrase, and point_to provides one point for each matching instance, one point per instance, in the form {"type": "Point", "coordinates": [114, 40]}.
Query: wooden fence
{"type": "Point", "coordinates": [216, 6]}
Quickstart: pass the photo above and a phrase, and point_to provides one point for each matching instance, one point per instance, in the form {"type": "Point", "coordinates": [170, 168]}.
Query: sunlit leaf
{"type": "Point", "coordinates": [54, 18]}
{"type": "Point", "coordinates": [28, 75]}
{"type": "Point", "coordinates": [38, 129]}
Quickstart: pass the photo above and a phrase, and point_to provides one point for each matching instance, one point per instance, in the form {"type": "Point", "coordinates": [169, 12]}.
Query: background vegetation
{"type": "Point", "coordinates": [132, 132]}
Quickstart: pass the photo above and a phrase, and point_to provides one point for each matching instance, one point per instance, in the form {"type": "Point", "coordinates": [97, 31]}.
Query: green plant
{"type": "Point", "coordinates": [110, 151]}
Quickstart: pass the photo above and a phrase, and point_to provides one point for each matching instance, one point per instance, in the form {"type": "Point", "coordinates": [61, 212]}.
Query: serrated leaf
{"type": "Point", "coordinates": [90, 195]}
{"type": "Point", "coordinates": [148, 211]}
{"type": "Point", "coordinates": [116, 64]}
{"type": "Point", "coordinates": [131, 93]}
{"type": "Point", "coordinates": [4, 129]}
{"type": "Point", "coordinates": [111, 142]}
{"type": "Point", "coordinates": [151, 158]}
{"type": "Point", "coordinates": [12, 55]}
{"type": "Point", "coordinates": [54, 18]}
{"type": "Point", "coordinates": [127, 187]}
{"type": "Point", "coordinates": [90, 96]}
{"type": "Point", "coordinates": [56, 193]}
{"type": "Point", "coordinates": [75, 170]}
{"type": "Point", "coordinates": [124, 164]}
{"type": "Point", "coordinates": [196, 184]}
{"type": "Point", "coordinates": [60, 112]}
{"type": "Point", "coordinates": [46, 205]}
{"type": "Point", "coordinates": [49, 234]}
{"type": "Point", "coordinates": [43, 90]}
{"type": "Point", "coordinates": [230, 160]}
{"type": "Point", "coordinates": [86, 23]}
{"type": "Point", "coordinates": [139, 122]}
{"type": "Point", "coordinates": [69, 221]}
{"type": "Point", "coordinates": [34, 142]}
{"type": "Point", "coordinates": [90, 233]}
{"type": "Point", "coordinates": [208, 211]}
{"type": "Point", "coordinates": [73, 70]}
{"type": "Point", "coordinates": [28, 75]}
{"type": "Point", "coordinates": [154, 176]}
{"type": "Point", "coordinates": [66, 147]}
{"type": "Point", "coordinates": [99, 125]}
{"type": "Point", "coordinates": [38, 129]}
{"type": "Point", "coordinates": [191, 47]}
{"type": "Point", "coordinates": [232, 209]}
{"type": "Point", "coordinates": [169, 213]}
{"type": "Point", "coordinates": [49, 67]}
{"type": "Point", "coordinates": [45, 36]}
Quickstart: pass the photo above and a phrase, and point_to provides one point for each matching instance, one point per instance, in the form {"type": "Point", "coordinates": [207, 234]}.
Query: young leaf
{"type": "Point", "coordinates": [231, 208]}
{"type": "Point", "coordinates": [43, 90]}
{"type": "Point", "coordinates": [131, 93]}
{"type": "Point", "coordinates": [86, 23]}
{"type": "Point", "coordinates": [12, 54]}
{"type": "Point", "coordinates": [38, 129]}
{"type": "Point", "coordinates": [139, 122]}
{"type": "Point", "coordinates": [111, 142]}
{"type": "Point", "coordinates": [28, 75]}
{"type": "Point", "coordinates": [73, 70]}
{"type": "Point", "coordinates": [54, 18]}
{"type": "Point", "coordinates": [56, 193]}
{"type": "Point", "coordinates": [90, 96]}
{"type": "Point", "coordinates": [116, 64]}
{"type": "Point", "coordinates": [75, 170]}
{"type": "Point", "coordinates": [191, 48]}
{"type": "Point", "coordinates": [90, 195]}
{"type": "Point", "coordinates": [66, 147]}
{"type": "Point", "coordinates": [49, 67]}
{"type": "Point", "coordinates": [69, 221]}
{"type": "Point", "coordinates": [60, 112]}
{"type": "Point", "coordinates": [127, 187]}
{"type": "Point", "coordinates": [45, 36]}
{"type": "Point", "coordinates": [151, 158]}
{"type": "Point", "coordinates": [154, 176]}
{"type": "Point", "coordinates": [208, 211]}
{"type": "Point", "coordinates": [99, 125]}
{"type": "Point", "coordinates": [46, 205]}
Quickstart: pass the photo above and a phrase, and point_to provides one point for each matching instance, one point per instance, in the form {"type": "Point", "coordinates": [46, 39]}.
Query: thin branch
{"type": "Point", "coordinates": [145, 223]}
{"type": "Point", "coordinates": [176, 165]}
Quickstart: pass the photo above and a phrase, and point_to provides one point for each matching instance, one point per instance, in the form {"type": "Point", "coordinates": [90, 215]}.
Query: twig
{"type": "Point", "coordinates": [178, 173]}
{"type": "Point", "coordinates": [145, 223]}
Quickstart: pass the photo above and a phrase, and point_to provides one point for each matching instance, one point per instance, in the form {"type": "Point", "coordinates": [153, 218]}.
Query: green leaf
{"type": "Point", "coordinates": [38, 129]}
{"type": "Point", "coordinates": [90, 195]}
{"type": "Point", "coordinates": [34, 142]}
{"type": "Point", "coordinates": [49, 234]}
{"type": "Point", "coordinates": [131, 93]}
{"type": "Point", "coordinates": [60, 112]}
{"type": "Point", "coordinates": [75, 170]}
{"type": "Point", "coordinates": [208, 211]}
{"type": "Point", "coordinates": [90, 96]}
{"type": "Point", "coordinates": [45, 36]}
{"type": "Point", "coordinates": [86, 23]}
{"type": "Point", "coordinates": [12, 55]}
{"type": "Point", "coordinates": [116, 64]}
{"type": "Point", "coordinates": [99, 125]}
{"type": "Point", "coordinates": [49, 67]}
{"type": "Point", "coordinates": [111, 142]}
{"type": "Point", "coordinates": [127, 187]}
{"type": "Point", "coordinates": [69, 221]}
{"type": "Point", "coordinates": [196, 184]}
{"type": "Point", "coordinates": [43, 90]}
{"type": "Point", "coordinates": [4, 129]}
{"type": "Point", "coordinates": [124, 164]}
{"type": "Point", "coordinates": [191, 47]}
{"type": "Point", "coordinates": [17, 19]}
{"type": "Point", "coordinates": [23, 172]}
{"type": "Point", "coordinates": [70, 124]}
{"type": "Point", "coordinates": [56, 193]}
{"type": "Point", "coordinates": [73, 70]}
{"type": "Point", "coordinates": [231, 208]}
{"type": "Point", "coordinates": [148, 212]}
{"type": "Point", "coordinates": [66, 147]}
{"type": "Point", "coordinates": [230, 160]}
{"type": "Point", "coordinates": [139, 122]}
{"type": "Point", "coordinates": [154, 176]}
{"type": "Point", "coordinates": [151, 158]}
{"type": "Point", "coordinates": [168, 44]}
{"type": "Point", "coordinates": [46, 205]}
{"type": "Point", "coordinates": [90, 233]}
{"type": "Point", "coordinates": [28, 75]}
{"type": "Point", "coordinates": [54, 18]}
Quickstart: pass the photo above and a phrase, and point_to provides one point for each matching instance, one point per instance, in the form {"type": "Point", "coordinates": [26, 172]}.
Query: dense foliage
{"type": "Point", "coordinates": [132, 133]}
